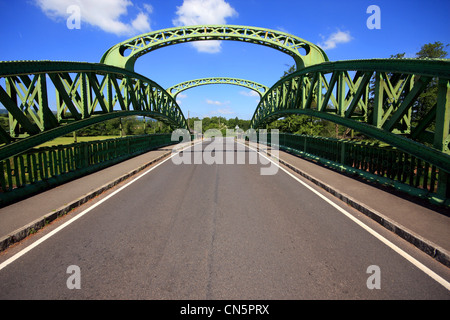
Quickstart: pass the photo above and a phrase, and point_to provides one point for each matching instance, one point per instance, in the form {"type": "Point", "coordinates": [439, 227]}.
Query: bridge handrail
{"type": "Point", "coordinates": [374, 162]}
{"type": "Point", "coordinates": [41, 168]}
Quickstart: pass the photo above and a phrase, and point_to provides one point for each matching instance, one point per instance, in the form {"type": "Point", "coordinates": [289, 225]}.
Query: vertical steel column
{"type": "Point", "coordinates": [441, 135]}
{"type": "Point", "coordinates": [378, 101]}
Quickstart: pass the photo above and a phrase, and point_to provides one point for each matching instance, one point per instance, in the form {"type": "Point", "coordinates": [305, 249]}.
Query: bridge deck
{"type": "Point", "coordinates": [426, 227]}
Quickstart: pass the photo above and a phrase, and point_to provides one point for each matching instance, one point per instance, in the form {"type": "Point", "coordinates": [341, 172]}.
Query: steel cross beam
{"type": "Point", "coordinates": [258, 88]}
{"type": "Point", "coordinates": [125, 54]}
{"type": "Point", "coordinates": [84, 94]}
{"type": "Point", "coordinates": [389, 114]}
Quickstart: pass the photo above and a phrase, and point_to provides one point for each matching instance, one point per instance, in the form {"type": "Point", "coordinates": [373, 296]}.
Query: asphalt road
{"type": "Point", "coordinates": [215, 231]}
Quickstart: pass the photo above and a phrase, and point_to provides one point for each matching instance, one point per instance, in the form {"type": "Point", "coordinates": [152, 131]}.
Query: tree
{"type": "Point", "coordinates": [302, 124]}
{"type": "Point", "coordinates": [427, 99]}
{"type": "Point", "coordinates": [433, 51]}
{"type": "Point", "coordinates": [372, 80]}
{"type": "Point", "coordinates": [112, 127]}
{"type": "Point", "coordinates": [291, 69]}
{"type": "Point", "coordinates": [4, 121]}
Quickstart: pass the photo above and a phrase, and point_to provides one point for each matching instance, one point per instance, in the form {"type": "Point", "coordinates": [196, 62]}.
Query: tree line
{"type": "Point", "coordinates": [140, 125]}
{"type": "Point", "coordinates": [220, 123]}
{"type": "Point", "coordinates": [135, 125]}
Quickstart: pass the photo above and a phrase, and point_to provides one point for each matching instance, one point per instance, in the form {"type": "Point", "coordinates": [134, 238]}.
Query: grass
{"type": "Point", "coordinates": [54, 158]}
{"type": "Point", "coordinates": [70, 140]}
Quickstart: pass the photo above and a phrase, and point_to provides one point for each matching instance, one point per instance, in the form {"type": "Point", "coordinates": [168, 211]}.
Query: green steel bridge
{"type": "Point", "coordinates": [377, 97]}
{"type": "Point", "coordinates": [256, 87]}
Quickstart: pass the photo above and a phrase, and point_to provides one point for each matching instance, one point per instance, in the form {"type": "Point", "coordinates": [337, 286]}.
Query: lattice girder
{"type": "Point", "coordinates": [84, 93]}
{"type": "Point", "coordinates": [384, 108]}
{"type": "Point", "coordinates": [126, 53]}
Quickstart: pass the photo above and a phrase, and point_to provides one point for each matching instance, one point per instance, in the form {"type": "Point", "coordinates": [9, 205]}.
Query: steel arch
{"type": "Point", "coordinates": [258, 88]}
{"type": "Point", "coordinates": [86, 93]}
{"type": "Point", "coordinates": [145, 43]}
{"type": "Point", "coordinates": [327, 91]}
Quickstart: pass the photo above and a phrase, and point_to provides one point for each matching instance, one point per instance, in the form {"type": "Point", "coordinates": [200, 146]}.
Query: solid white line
{"type": "Point", "coordinates": [52, 233]}
{"type": "Point", "coordinates": [405, 255]}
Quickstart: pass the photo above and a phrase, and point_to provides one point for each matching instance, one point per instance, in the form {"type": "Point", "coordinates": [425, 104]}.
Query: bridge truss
{"type": "Point", "coordinates": [126, 53]}
{"type": "Point", "coordinates": [379, 99]}
{"type": "Point", "coordinates": [85, 94]}
{"type": "Point", "coordinates": [258, 88]}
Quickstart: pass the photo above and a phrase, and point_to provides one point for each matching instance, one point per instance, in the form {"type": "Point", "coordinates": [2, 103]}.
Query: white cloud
{"type": "Point", "coordinates": [148, 7]}
{"type": "Point", "coordinates": [221, 112]}
{"type": "Point", "coordinates": [336, 38]}
{"type": "Point", "coordinates": [104, 14]}
{"type": "Point", "coordinates": [211, 46]}
{"type": "Point", "coordinates": [250, 93]}
{"type": "Point", "coordinates": [225, 111]}
{"type": "Point", "coordinates": [196, 12]}
{"type": "Point", "coordinates": [217, 103]}
{"type": "Point", "coordinates": [141, 23]}
{"type": "Point", "coordinates": [179, 97]}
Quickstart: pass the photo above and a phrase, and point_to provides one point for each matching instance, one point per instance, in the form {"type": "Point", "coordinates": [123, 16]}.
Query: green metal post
{"type": "Point", "coordinates": [442, 136]}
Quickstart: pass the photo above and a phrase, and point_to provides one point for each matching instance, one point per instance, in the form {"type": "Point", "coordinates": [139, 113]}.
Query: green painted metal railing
{"type": "Point", "coordinates": [42, 168]}
{"type": "Point", "coordinates": [372, 161]}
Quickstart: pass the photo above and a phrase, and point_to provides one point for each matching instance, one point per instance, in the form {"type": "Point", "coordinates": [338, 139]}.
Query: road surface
{"type": "Point", "coordinates": [217, 231]}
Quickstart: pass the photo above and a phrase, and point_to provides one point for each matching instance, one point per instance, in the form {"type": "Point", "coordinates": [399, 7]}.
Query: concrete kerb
{"type": "Point", "coordinates": [23, 232]}
{"type": "Point", "coordinates": [430, 248]}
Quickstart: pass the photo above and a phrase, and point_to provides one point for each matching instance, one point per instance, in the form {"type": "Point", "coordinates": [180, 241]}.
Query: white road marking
{"type": "Point", "coordinates": [405, 255]}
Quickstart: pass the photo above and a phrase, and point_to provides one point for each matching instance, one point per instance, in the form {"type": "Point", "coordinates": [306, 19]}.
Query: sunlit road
{"type": "Point", "coordinates": [216, 231]}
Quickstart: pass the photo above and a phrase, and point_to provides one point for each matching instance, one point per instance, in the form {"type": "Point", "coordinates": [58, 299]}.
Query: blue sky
{"type": "Point", "coordinates": [37, 30]}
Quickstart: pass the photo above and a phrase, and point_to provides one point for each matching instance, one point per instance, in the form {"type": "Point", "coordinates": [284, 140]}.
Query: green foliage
{"type": "Point", "coordinates": [4, 121]}
{"type": "Point", "coordinates": [302, 124]}
{"type": "Point", "coordinates": [291, 69]}
{"type": "Point", "coordinates": [137, 126]}
{"type": "Point", "coordinates": [220, 123]}
{"type": "Point", "coordinates": [432, 51]}
{"type": "Point", "coordinates": [126, 127]}
{"type": "Point", "coordinates": [427, 99]}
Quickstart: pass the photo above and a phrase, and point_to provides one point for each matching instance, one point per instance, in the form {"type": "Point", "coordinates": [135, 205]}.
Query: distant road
{"type": "Point", "coordinates": [219, 231]}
